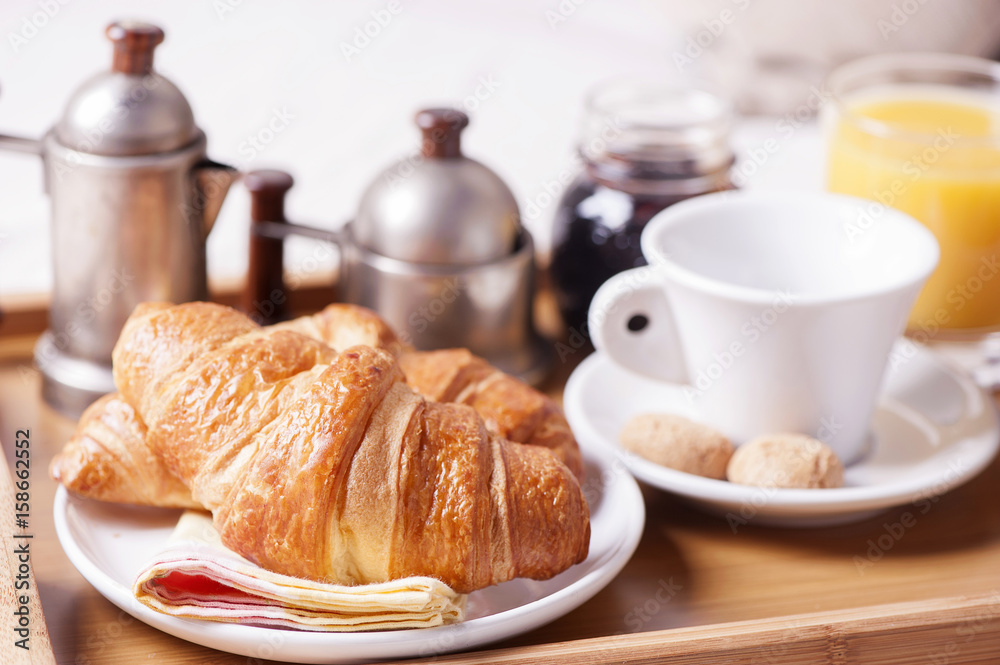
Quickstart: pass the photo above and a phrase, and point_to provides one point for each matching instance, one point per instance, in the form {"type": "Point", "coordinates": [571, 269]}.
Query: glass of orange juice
{"type": "Point", "coordinates": [921, 132]}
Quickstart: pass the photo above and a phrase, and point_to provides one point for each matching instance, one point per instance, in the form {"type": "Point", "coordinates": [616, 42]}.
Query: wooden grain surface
{"type": "Point", "coordinates": [695, 591]}
{"type": "Point", "coordinates": [25, 636]}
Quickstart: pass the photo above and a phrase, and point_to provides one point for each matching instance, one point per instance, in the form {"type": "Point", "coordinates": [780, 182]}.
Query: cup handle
{"type": "Point", "coordinates": [631, 321]}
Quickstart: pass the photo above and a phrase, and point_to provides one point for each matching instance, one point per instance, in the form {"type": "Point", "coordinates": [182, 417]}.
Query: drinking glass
{"type": "Point", "coordinates": [920, 132]}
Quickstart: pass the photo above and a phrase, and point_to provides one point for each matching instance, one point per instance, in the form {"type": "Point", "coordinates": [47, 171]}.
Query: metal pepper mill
{"type": "Point", "coordinates": [133, 199]}
{"type": "Point", "coordinates": [437, 249]}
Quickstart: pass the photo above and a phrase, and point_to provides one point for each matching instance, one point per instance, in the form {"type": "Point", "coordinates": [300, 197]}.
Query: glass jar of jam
{"type": "Point", "coordinates": [644, 146]}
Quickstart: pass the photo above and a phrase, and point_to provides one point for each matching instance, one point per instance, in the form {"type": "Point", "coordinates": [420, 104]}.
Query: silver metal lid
{"type": "Point", "coordinates": [129, 110]}
{"type": "Point", "coordinates": [442, 208]}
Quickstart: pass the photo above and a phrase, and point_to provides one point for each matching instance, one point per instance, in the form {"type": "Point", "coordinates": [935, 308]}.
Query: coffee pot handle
{"type": "Point", "coordinates": [265, 297]}
{"type": "Point", "coordinates": [631, 321]}
{"type": "Point", "coordinates": [21, 144]}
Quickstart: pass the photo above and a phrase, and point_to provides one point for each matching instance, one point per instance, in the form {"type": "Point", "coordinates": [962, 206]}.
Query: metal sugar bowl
{"type": "Point", "coordinates": [439, 251]}
{"type": "Point", "coordinates": [436, 248]}
{"type": "Point", "coordinates": [133, 199]}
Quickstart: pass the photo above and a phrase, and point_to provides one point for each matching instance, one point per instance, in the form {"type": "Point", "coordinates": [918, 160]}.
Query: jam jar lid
{"type": "Point", "coordinates": [129, 110]}
{"type": "Point", "coordinates": [645, 128]}
{"type": "Point", "coordinates": [438, 207]}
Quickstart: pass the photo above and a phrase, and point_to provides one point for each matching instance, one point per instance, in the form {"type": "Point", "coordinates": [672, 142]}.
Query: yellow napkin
{"type": "Point", "coordinates": [197, 577]}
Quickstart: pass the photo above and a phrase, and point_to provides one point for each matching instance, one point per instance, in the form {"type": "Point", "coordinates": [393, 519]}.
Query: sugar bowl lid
{"type": "Point", "coordinates": [438, 207]}
{"type": "Point", "coordinates": [129, 110]}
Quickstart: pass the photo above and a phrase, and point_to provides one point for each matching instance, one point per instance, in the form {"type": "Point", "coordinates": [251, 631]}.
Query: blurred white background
{"type": "Point", "coordinates": [520, 68]}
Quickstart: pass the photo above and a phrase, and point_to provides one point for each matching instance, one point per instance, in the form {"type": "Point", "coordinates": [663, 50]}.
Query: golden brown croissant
{"type": "Point", "coordinates": [342, 326]}
{"type": "Point", "coordinates": [108, 459]}
{"type": "Point", "coordinates": [510, 407]}
{"type": "Point", "coordinates": [328, 466]}
{"type": "Point", "coordinates": [103, 459]}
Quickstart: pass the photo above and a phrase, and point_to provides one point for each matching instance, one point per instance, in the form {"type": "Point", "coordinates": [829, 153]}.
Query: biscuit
{"type": "Point", "coordinates": [678, 443]}
{"type": "Point", "coordinates": [793, 461]}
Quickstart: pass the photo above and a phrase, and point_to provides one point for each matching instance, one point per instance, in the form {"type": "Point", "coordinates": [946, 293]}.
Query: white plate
{"type": "Point", "coordinates": [933, 430]}
{"type": "Point", "coordinates": [109, 543]}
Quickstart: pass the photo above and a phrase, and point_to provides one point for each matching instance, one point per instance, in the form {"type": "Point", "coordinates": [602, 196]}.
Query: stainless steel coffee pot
{"type": "Point", "coordinates": [133, 199]}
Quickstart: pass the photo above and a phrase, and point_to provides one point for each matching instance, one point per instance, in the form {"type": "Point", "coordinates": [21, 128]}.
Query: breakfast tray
{"type": "Point", "coordinates": [915, 584]}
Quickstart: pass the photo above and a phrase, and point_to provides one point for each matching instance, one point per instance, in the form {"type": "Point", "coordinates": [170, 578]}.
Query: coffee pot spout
{"type": "Point", "coordinates": [212, 182]}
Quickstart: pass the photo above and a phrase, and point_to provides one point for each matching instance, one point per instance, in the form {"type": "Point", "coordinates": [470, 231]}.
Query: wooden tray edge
{"type": "Point", "coordinates": [28, 314]}
{"type": "Point", "coordinates": [963, 629]}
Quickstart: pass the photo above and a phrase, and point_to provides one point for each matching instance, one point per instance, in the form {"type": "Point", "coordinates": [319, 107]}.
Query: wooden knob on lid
{"type": "Point", "coordinates": [134, 43]}
{"type": "Point", "coordinates": [442, 130]}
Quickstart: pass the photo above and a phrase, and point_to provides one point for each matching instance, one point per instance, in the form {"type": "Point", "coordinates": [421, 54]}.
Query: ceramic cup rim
{"type": "Point", "coordinates": [685, 212]}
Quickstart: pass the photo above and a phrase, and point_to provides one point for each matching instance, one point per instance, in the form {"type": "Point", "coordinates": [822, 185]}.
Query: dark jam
{"type": "Point", "coordinates": [644, 146]}
{"type": "Point", "coordinates": [596, 236]}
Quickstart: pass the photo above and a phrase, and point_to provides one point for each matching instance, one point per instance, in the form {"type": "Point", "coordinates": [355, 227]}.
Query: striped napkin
{"type": "Point", "coordinates": [196, 577]}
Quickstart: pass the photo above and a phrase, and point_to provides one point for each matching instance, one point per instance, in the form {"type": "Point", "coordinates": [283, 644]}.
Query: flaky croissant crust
{"type": "Point", "coordinates": [327, 466]}
{"type": "Point", "coordinates": [108, 457]}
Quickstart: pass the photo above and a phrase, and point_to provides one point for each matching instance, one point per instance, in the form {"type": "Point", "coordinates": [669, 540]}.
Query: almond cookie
{"type": "Point", "coordinates": [678, 443]}
{"type": "Point", "coordinates": [786, 461]}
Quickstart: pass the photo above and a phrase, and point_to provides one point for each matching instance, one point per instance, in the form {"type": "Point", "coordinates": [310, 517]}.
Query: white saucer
{"type": "Point", "coordinates": [934, 429]}
{"type": "Point", "coordinates": [109, 543]}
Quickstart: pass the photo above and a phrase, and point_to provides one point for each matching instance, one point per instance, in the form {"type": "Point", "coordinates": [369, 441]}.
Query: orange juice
{"type": "Point", "coordinates": [933, 152]}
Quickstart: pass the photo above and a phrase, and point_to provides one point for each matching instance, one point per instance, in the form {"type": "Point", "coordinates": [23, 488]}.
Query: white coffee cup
{"type": "Point", "coordinates": [776, 310]}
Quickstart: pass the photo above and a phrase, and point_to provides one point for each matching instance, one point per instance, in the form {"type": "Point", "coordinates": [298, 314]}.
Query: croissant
{"type": "Point", "coordinates": [510, 408]}
{"type": "Point", "coordinates": [108, 457]}
{"type": "Point", "coordinates": [328, 466]}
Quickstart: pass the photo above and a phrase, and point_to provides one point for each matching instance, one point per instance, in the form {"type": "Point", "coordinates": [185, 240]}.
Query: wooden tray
{"type": "Point", "coordinates": [695, 592]}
